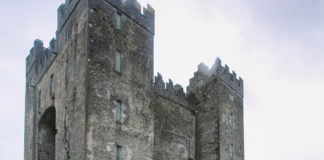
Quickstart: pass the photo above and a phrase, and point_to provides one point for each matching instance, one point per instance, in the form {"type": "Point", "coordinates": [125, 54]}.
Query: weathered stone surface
{"type": "Point", "coordinates": [79, 106]}
{"type": "Point", "coordinates": [68, 68]}
{"type": "Point", "coordinates": [131, 86]}
{"type": "Point", "coordinates": [174, 126]}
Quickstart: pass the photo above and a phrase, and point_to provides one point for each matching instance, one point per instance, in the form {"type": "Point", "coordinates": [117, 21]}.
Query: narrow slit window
{"type": "Point", "coordinates": [118, 111]}
{"type": "Point", "coordinates": [231, 120]}
{"type": "Point", "coordinates": [66, 70]}
{"type": "Point", "coordinates": [118, 62]}
{"type": "Point", "coordinates": [118, 152]}
{"type": "Point", "coordinates": [190, 148]}
{"type": "Point", "coordinates": [231, 151]}
{"type": "Point", "coordinates": [52, 90]}
{"type": "Point", "coordinates": [39, 99]}
{"type": "Point", "coordinates": [118, 21]}
{"type": "Point", "coordinates": [232, 98]}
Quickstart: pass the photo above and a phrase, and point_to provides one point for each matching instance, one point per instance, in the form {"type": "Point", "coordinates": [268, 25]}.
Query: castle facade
{"type": "Point", "coordinates": [92, 94]}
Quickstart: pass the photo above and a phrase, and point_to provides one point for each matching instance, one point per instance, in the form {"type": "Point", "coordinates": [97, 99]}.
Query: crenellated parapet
{"type": "Point", "coordinates": [169, 91]}
{"type": "Point", "coordinates": [133, 9]}
{"type": "Point", "coordinates": [205, 75]}
{"type": "Point", "coordinates": [64, 12]}
{"type": "Point", "coordinates": [40, 58]}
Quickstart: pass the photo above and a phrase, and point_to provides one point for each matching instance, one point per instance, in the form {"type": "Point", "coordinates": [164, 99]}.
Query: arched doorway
{"type": "Point", "coordinates": [46, 135]}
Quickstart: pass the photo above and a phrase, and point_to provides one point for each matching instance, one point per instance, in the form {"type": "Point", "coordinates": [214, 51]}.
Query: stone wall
{"type": "Point", "coordinates": [230, 123]}
{"type": "Point", "coordinates": [173, 130]}
{"type": "Point", "coordinates": [131, 86]}
{"type": "Point", "coordinates": [174, 124]}
{"type": "Point", "coordinates": [66, 71]}
{"type": "Point", "coordinates": [77, 76]}
{"type": "Point", "coordinates": [217, 98]}
{"type": "Point", "coordinates": [206, 108]}
{"type": "Point", "coordinates": [37, 63]}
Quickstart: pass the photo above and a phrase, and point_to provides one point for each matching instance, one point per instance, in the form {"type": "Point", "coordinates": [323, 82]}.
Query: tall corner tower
{"type": "Point", "coordinates": [120, 77]}
{"type": "Point", "coordinates": [217, 97]}
{"type": "Point", "coordinates": [88, 94]}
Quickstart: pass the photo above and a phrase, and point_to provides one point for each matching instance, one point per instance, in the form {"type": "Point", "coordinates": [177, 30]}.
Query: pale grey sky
{"type": "Point", "coordinates": [276, 46]}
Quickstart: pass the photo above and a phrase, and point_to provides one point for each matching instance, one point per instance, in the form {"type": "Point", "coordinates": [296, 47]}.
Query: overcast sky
{"type": "Point", "coordinates": [276, 46]}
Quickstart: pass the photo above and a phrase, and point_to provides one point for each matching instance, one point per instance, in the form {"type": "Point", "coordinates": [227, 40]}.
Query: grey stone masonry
{"type": "Point", "coordinates": [39, 59]}
{"type": "Point", "coordinates": [92, 94]}
{"type": "Point", "coordinates": [204, 74]}
{"type": "Point", "coordinates": [64, 12]}
{"type": "Point", "coordinates": [170, 92]}
{"type": "Point", "coordinates": [132, 9]}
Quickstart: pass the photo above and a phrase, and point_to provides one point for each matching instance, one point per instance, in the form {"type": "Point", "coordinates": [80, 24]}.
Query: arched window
{"type": "Point", "coordinates": [46, 135]}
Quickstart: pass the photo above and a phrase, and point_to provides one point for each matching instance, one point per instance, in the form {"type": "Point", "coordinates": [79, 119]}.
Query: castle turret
{"type": "Point", "coordinates": [217, 98]}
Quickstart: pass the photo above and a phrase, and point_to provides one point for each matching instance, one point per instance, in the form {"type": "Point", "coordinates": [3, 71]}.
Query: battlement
{"type": "Point", "coordinates": [133, 10]}
{"type": "Point", "coordinates": [169, 91]}
{"type": "Point", "coordinates": [40, 58]}
{"type": "Point", "coordinates": [64, 12]}
{"type": "Point", "coordinates": [204, 75]}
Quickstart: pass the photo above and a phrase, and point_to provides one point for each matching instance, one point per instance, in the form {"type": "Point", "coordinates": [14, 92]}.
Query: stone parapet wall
{"type": "Point", "coordinates": [204, 75]}
{"type": "Point", "coordinates": [169, 91]}
{"type": "Point", "coordinates": [39, 59]}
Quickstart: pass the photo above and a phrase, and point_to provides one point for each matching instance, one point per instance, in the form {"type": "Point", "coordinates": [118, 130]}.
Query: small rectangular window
{"type": "Point", "coordinates": [232, 98]}
{"type": "Point", "coordinates": [118, 152]}
{"type": "Point", "coordinates": [118, 111]}
{"type": "Point", "coordinates": [39, 99]}
{"type": "Point", "coordinates": [66, 70]}
{"type": "Point", "coordinates": [190, 148]}
{"type": "Point", "coordinates": [231, 120]}
{"type": "Point", "coordinates": [118, 62]}
{"type": "Point", "coordinates": [231, 150]}
{"type": "Point", "coordinates": [118, 21]}
{"type": "Point", "coordinates": [52, 87]}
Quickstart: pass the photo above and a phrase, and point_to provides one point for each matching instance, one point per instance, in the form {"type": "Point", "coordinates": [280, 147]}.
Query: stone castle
{"type": "Point", "coordinates": [92, 94]}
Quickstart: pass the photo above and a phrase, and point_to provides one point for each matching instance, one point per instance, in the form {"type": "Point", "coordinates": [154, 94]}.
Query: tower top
{"type": "Point", "coordinates": [130, 8]}
{"type": "Point", "coordinates": [133, 10]}
{"type": "Point", "coordinates": [64, 12]}
{"type": "Point", "coordinates": [204, 75]}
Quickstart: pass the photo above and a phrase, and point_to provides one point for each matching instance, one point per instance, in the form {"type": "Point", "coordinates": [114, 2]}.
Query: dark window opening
{"type": "Point", "coordinates": [118, 152]}
{"type": "Point", "coordinates": [66, 71]}
{"type": "Point", "coordinates": [39, 100]}
{"type": "Point", "coordinates": [231, 120]}
{"type": "Point", "coordinates": [52, 87]}
{"type": "Point", "coordinates": [118, 111]}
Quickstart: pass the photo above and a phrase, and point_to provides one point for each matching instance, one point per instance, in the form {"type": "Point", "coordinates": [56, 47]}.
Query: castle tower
{"type": "Point", "coordinates": [120, 74]}
{"type": "Point", "coordinates": [217, 99]}
{"type": "Point", "coordinates": [91, 94]}
{"type": "Point", "coordinates": [87, 95]}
